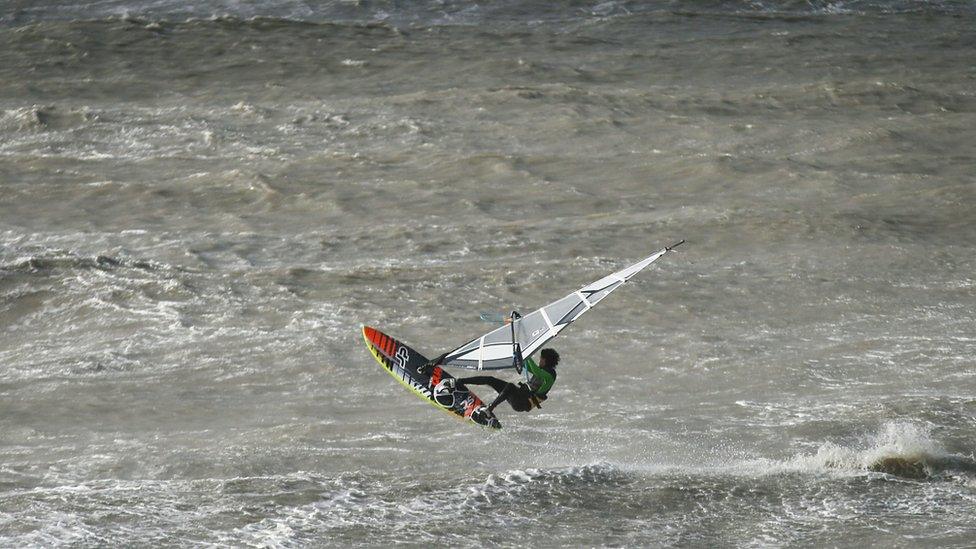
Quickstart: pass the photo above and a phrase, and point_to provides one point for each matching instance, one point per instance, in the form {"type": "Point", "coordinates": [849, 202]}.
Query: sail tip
{"type": "Point", "coordinates": [675, 245]}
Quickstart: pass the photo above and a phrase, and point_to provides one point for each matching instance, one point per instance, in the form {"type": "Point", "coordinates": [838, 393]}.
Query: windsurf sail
{"type": "Point", "coordinates": [495, 350]}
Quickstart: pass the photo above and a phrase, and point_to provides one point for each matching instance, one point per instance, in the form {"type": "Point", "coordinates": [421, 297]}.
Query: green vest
{"type": "Point", "coordinates": [541, 380]}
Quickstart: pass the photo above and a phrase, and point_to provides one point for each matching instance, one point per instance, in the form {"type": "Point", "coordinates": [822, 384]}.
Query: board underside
{"type": "Point", "coordinates": [406, 366]}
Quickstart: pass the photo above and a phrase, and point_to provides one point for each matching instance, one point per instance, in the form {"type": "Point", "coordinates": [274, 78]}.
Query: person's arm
{"type": "Point", "coordinates": [535, 380]}
{"type": "Point", "coordinates": [541, 380]}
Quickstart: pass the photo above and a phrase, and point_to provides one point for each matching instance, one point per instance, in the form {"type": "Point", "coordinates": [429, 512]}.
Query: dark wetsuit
{"type": "Point", "coordinates": [521, 397]}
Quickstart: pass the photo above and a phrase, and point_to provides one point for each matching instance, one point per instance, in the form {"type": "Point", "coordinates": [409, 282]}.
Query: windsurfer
{"type": "Point", "coordinates": [523, 396]}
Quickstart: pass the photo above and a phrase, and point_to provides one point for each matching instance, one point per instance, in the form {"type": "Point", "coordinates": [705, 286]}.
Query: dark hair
{"type": "Point", "coordinates": [551, 356]}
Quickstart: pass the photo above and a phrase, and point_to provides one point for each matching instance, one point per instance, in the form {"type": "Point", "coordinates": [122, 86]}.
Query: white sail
{"type": "Point", "coordinates": [493, 351]}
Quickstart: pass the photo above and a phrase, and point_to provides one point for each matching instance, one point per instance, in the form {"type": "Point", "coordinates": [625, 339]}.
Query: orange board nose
{"type": "Point", "coordinates": [373, 335]}
{"type": "Point", "coordinates": [379, 340]}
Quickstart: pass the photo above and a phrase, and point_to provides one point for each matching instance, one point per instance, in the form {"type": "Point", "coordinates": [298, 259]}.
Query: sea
{"type": "Point", "coordinates": [202, 203]}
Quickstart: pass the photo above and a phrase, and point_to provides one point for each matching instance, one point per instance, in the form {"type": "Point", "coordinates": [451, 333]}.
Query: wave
{"type": "Point", "coordinates": [45, 117]}
{"type": "Point", "coordinates": [433, 13]}
{"type": "Point", "coordinates": [469, 509]}
{"type": "Point", "coordinates": [898, 449]}
{"type": "Point", "coordinates": [47, 262]}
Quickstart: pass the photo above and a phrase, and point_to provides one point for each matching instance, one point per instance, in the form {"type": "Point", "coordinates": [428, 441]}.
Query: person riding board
{"type": "Point", "coordinates": [524, 396]}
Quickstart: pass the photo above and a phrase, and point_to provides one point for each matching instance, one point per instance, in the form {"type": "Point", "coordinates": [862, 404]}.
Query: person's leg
{"type": "Point", "coordinates": [502, 396]}
{"type": "Point", "coordinates": [497, 384]}
{"type": "Point", "coordinates": [505, 391]}
{"type": "Point", "coordinates": [518, 397]}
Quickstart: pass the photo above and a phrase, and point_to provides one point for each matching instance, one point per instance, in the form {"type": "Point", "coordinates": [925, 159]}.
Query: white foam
{"type": "Point", "coordinates": [894, 440]}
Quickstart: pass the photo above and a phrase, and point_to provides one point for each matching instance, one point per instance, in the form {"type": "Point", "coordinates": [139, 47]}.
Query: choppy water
{"type": "Point", "coordinates": [200, 206]}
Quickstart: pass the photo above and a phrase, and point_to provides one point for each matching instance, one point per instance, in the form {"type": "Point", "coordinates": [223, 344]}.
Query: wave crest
{"type": "Point", "coordinates": [900, 449]}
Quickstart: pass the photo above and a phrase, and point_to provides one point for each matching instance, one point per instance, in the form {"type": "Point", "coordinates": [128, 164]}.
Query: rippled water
{"type": "Point", "coordinates": [201, 206]}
